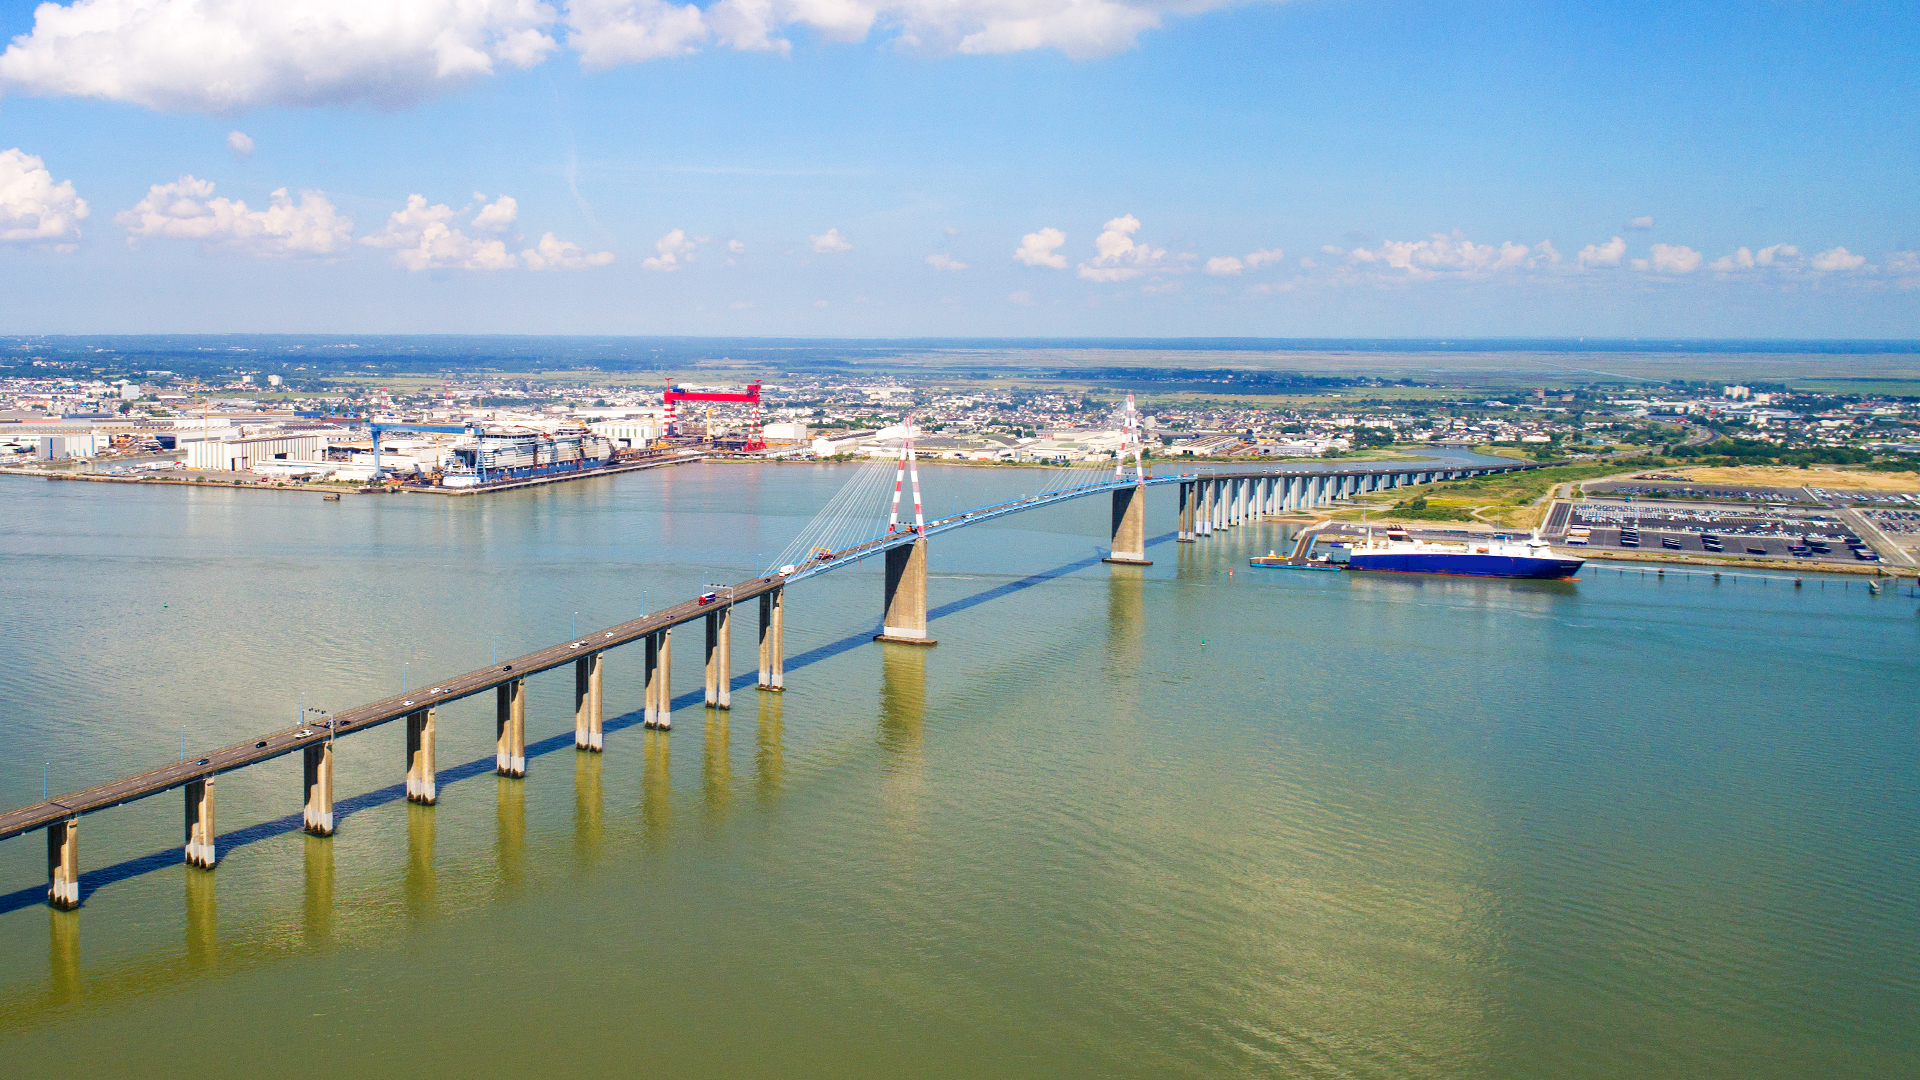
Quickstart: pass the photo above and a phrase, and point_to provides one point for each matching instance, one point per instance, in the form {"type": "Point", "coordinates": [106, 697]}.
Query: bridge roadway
{"type": "Point", "coordinates": [288, 740]}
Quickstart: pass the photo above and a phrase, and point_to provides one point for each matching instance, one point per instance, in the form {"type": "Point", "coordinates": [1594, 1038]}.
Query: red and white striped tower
{"type": "Point", "coordinates": [666, 398]}
{"type": "Point", "coordinates": [908, 468]}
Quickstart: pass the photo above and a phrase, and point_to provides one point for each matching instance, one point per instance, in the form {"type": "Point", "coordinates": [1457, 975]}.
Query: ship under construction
{"type": "Point", "coordinates": [507, 456]}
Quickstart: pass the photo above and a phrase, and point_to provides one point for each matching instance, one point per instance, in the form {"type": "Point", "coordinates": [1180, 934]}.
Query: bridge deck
{"type": "Point", "coordinates": [287, 740]}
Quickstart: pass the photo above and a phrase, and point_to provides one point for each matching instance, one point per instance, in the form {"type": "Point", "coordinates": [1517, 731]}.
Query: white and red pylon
{"type": "Point", "coordinates": [908, 467]}
{"type": "Point", "coordinates": [1129, 439]}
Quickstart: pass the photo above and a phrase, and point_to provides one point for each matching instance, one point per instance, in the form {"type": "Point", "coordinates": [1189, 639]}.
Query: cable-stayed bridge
{"type": "Point", "coordinates": [863, 520]}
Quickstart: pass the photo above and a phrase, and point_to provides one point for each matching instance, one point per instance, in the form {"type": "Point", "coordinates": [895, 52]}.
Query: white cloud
{"type": "Point", "coordinates": [227, 56]}
{"type": "Point", "coordinates": [240, 143]}
{"type": "Point", "coordinates": [1838, 259]}
{"type": "Point", "coordinates": [674, 248]}
{"type": "Point", "coordinates": [498, 217]}
{"type": "Point", "coordinates": [1739, 260]}
{"type": "Point", "coordinates": [33, 208]}
{"type": "Point", "coordinates": [1641, 223]}
{"type": "Point", "coordinates": [1307, 262]}
{"type": "Point", "coordinates": [552, 254]}
{"type": "Point", "coordinates": [1226, 265]}
{"type": "Point", "coordinates": [741, 305]}
{"type": "Point", "coordinates": [1117, 256]}
{"type": "Point", "coordinates": [1777, 256]}
{"type": "Point", "coordinates": [1078, 28]}
{"type": "Point", "coordinates": [610, 32]}
{"type": "Point", "coordinates": [831, 242]}
{"type": "Point", "coordinates": [945, 262]}
{"type": "Point", "coordinates": [736, 247]}
{"type": "Point", "coordinates": [1021, 297]}
{"type": "Point", "coordinates": [1905, 266]}
{"type": "Point", "coordinates": [1444, 253]}
{"type": "Point", "coordinates": [1607, 254]}
{"type": "Point", "coordinates": [1042, 249]}
{"type": "Point", "coordinates": [224, 56]}
{"type": "Point", "coordinates": [187, 210]}
{"type": "Point", "coordinates": [1670, 259]}
{"type": "Point", "coordinates": [422, 239]}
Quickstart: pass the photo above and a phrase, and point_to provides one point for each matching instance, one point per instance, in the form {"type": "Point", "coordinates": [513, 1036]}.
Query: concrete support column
{"type": "Point", "coordinates": [650, 713]}
{"type": "Point", "coordinates": [1183, 531]}
{"type": "Point", "coordinates": [1129, 527]}
{"type": "Point", "coordinates": [510, 728]}
{"type": "Point", "coordinates": [713, 660]}
{"type": "Point", "coordinates": [200, 823]}
{"type": "Point", "coordinates": [663, 707]}
{"type": "Point", "coordinates": [773, 622]}
{"type": "Point", "coordinates": [63, 864]}
{"type": "Point", "coordinates": [905, 620]}
{"type": "Point", "coordinates": [587, 712]}
{"type": "Point", "coordinates": [420, 770]}
{"type": "Point", "coordinates": [317, 765]}
{"type": "Point", "coordinates": [725, 660]}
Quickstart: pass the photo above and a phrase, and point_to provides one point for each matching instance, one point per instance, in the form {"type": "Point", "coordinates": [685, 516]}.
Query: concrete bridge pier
{"type": "Point", "coordinates": [200, 823]}
{"type": "Point", "coordinates": [663, 683]}
{"type": "Point", "coordinates": [905, 621]}
{"type": "Point", "coordinates": [1129, 527]}
{"type": "Point", "coordinates": [510, 728]}
{"type": "Point", "coordinates": [317, 766]}
{"type": "Point", "coordinates": [63, 864]}
{"type": "Point", "coordinates": [587, 712]}
{"type": "Point", "coordinates": [420, 771]}
{"type": "Point", "coordinates": [1183, 531]}
{"type": "Point", "coordinates": [720, 658]}
{"type": "Point", "coordinates": [773, 620]}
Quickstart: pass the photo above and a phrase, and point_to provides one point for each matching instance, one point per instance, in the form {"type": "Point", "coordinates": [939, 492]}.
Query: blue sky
{"type": "Point", "coordinates": [971, 167]}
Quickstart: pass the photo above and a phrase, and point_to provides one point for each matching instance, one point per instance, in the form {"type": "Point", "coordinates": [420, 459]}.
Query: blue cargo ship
{"type": "Point", "coordinates": [1498, 557]}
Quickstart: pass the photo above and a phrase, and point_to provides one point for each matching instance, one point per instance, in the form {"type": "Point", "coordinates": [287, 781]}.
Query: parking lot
{"type": "Point", "coordinates": [1707, 531]}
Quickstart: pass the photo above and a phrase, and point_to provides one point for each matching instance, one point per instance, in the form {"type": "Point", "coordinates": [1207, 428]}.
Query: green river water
{"type": "Point", "coordinates": [1622, 826]}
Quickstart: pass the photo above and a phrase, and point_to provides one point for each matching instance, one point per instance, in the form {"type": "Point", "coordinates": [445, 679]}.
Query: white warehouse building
{"type": "Point", "coordinates": [628, 434]}
{"type": "Point", "coordinates": [240, 455]}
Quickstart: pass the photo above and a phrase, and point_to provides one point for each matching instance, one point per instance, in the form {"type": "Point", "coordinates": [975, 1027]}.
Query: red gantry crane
{"type": "Point", "coordinates": [755, 440]}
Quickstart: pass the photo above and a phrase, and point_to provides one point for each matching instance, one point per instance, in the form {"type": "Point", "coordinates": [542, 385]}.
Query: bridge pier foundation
{"type": "Point", "coordinates": [905, 621]}
{"type": "Point", "coordinates": [659, 709]}
{"type": "Point", "coordinates": [1129, 545]}
{"type": "Point", "coordinates": [200, 851]}
{"type": "Point", "coordinates": [773, 617]}
{"type": "Point", "coordinates": [63, 864]}
{"type": "Point", "coordinates": [510, 729]}
{"type": "Point", "coordinates": [587, 713]}
{"type": "Point", "coordinates": [1183, 532]}
{"type": "Point", "coordinates": [420, 770]}
{"type": "Point", "coordinates": [317, 765]}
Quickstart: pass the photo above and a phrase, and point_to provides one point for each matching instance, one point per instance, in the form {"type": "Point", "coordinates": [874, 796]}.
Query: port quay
{"type": "Point", "coordinates": [1206, 504]}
